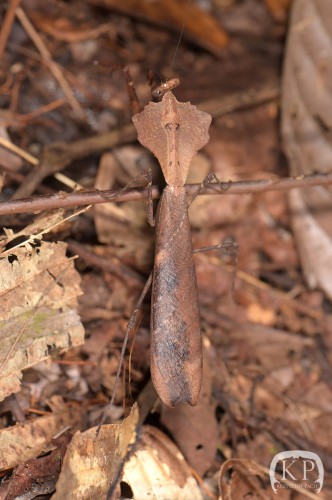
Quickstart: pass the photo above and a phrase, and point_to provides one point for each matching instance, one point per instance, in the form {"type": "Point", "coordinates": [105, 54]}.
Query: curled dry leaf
{"type": "Point", "coordinates": [306, 132]}
{"type": "Point", "coordinates": [22, 442]}
{"type": "Point", "coordinates": [38, 291]}
{"type": "Point", "coordinates": [158, 471]}
{"type": "Point", "coordinates": [92, 464]}
{"type": "Point", "coordinates": [244, 480]}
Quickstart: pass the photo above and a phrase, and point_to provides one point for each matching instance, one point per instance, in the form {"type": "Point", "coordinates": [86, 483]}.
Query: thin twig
{"type": "Point", "coordinates": [20, 178]}
{"type": "Point", "coordinates": [20, 152]}
{"type": "Point", "coordinates": [65, 200]}
{"type": "Point", "coordinates": [14, 119]}
{"type": "Point", "coordinates": [34, 161]}
{"type": "Point", "coordinates": [46, 229]}
{"type": "Point", "coordinates": [7, 25]}
{"type": "Point", "coordinates": [130, 326]}
{"type": "Point", "coordinates": [58, 155]}
{"type": "Point", "coordinates": [110, 264]}
{"type": "Point", "coordinates": [52, 65]}
{"type": "Point", "coordinates": [237, 101]}
{"type": "Point", "coordinates": [47, 108]}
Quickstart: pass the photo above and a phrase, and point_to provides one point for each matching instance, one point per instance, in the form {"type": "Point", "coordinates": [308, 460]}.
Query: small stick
{"type": "Point", "coordinates": [112, 265]}
{"type": "Point", "coordinates": [19, 151]}
{"type": "Point", "coordinates": [135, 108]}
{"type": "Point", "coordinates": [47, 58]}
{"type": "Point", "coordinates": [40, 111]}
{"type": "Point", "coordinates": [64, 199]}
{"type": "Point", "coordinates": [130, 326]}
{"type": "Point", "coordinates": [57, 156]}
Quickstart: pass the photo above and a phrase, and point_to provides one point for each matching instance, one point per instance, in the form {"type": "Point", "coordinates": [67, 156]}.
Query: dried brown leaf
{"type": "Point", "coordinates": [255, 342]}
{"type": "Point", "coordinates": [38, 475]}
{"type": "Point", "coordinates": [306, 131]}
{"type": "Point", "coordinates": [38, 291]}
{"type": "Point", "coordinates": [64, 29]}
{"type": "Point", "coordinates": [92, 463]}
{"type": "Point", "coordinates": [200, 26]}
{"type": "Point", "coordinates": [22, 442]}
{"type": "Point", "coordinates": [122, 227]}
{"type": "Point", "coordinates": [195, 432]}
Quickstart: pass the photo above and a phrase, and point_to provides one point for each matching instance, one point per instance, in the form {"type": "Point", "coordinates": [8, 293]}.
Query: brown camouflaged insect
{"type": "Point", "coordinates": [174, 132]}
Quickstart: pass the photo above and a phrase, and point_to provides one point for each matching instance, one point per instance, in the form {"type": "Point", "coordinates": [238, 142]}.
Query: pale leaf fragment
{"type": "Point", "coordinates": [38, 295]}
{"type": "Point", "coordinates": [44, 223]}
{"type": "Point", "coordinates": [22, 442]}
{"type": "Point", "coordinates": [158, 471]}
{"type": "Point", "coordinates": [307, 132]}
{"type": "Point", "coordinates": [92, 463]}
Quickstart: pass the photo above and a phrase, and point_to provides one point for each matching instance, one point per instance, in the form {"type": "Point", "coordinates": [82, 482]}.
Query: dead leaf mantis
{"type": "Point", "coordinates": [174, 132]}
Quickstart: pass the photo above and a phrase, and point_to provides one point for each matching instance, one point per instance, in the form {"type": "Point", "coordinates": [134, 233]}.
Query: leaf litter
{"type": "Point", "coordinates": [25, 441]}
{"type": "Point", "coordinates": [268, 351]}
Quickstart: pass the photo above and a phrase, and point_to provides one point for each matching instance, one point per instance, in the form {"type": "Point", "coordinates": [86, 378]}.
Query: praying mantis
{"type": "Point", "coordinates": [174, 132]}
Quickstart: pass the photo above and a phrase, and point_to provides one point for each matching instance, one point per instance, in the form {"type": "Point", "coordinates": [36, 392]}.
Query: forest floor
{"type": "Point", "coordinates": [267, 337]}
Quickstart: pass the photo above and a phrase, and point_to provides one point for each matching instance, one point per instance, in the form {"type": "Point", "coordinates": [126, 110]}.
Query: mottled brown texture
{"type": "Point", "coordinates": [176, 346]}
{"type": "Point", "coordinates": [174, 131]}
